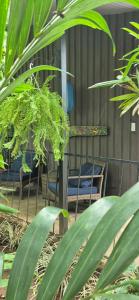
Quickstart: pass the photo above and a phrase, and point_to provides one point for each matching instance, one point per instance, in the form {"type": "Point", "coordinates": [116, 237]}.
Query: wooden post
{"type": "Point", "coordinates": [63, 202]}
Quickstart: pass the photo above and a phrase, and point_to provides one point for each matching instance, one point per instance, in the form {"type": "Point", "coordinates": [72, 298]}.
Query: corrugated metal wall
{"type": "Point", "coordinates": [91, 60]}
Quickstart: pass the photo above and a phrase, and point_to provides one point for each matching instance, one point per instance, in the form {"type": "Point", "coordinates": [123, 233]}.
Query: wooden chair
{"type": "Point", "coordinates": [15, 177]}
{"type": "Point", "coordinates": [83, 184]}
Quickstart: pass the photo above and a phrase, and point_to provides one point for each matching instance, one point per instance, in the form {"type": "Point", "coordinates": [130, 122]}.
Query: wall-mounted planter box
{"type": "Point", "coordinates": [88, 131]}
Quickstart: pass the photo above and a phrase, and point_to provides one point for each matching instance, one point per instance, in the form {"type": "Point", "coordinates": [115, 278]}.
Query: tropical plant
{"type": "Point", "coordinates": [38, 114]}
{"type": "Point", "coordinates": [128, 79]}
{"type": "Point", "coordinates": [92, 233]}
{"type": "Point", "coordinates": [19, 20]}
{"type": "Point", "coordinates": [21, 17]}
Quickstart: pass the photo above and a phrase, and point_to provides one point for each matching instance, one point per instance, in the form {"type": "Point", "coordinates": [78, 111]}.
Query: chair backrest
{"type": "Point", "coordinates": [95, 168]}
{"type": "Point", "coordinates": [17, 163]}
{"type": "Point", "coordinates": [102, 164]}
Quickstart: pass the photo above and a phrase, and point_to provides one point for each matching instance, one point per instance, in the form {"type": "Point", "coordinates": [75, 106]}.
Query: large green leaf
{"type": "Point", "coordinates": [40, 44]}
{"type": "Point", "coordinates": [70, 244]}
{"type": "Point", "coordinates": [61, 4]}
{"type": "Point", "coordinates": [3, 17]}
{"type": "Point", "coordinates": [16, 16]}
{"type": "Point", "coordinates": [101, 239]}
{"type": "Point", "coordinates": [47, 35]}
{"type": "Point", "coordinates": [25, 26]}
{"type": "Point", "coordinates": [52, 33]}
{"type": "Point", "coordinates": [98, 226]}
{"type": "Point", "coordinates": [100, 22]}
{"type": "Point", "coordinates": [110, 83]}
{"type": "Point", "coordinates": [41, 13]}
{"type": "Point", "coordinates": [85, 5]}
{"type": "Point", "coordinates": [124, 253]}
{"type": "Point", "coordinates": [25, 263]}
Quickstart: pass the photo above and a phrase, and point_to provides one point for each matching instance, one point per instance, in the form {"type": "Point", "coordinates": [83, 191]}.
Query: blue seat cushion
{"type": "Point", "coordinates": [13, 173]}
{"type": "Point", "coordinates": [9, 176]}
{"type": "Point", "coordinates": [12, 176]}
{"type": "Point", "coordinates": [86, 183]}
{"type": "Point", "coordinates": [72, 191]}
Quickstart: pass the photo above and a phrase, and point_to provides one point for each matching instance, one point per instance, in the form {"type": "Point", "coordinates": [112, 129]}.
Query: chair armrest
{"type": "Point", "coordinates": [85, 177]}
{"type": "Point", "coordinates": [74, 172]}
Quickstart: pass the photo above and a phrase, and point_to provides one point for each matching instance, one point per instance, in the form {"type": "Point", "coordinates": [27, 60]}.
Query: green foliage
{"type": "Point", "coordinates": [47, 26]}
{"type": "Point", "coordinates": [95, 230]}
{"type": "Point", "coordinates": [26, 27]}
{"type": "Point", "coordinates": [128, 79]}
{"type": "Point", "coordinates": [36, 114]}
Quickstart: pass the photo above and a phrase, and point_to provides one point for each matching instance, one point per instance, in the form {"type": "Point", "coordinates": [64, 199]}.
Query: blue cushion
{"type": "Point", "coordinates": [9, 176]}
{"type": "Point", "coordinates": [72, 191]}
{"type": "Point", "coordinates": [13, 173]}
{"type": "Point", "coordinates": [86, 183]}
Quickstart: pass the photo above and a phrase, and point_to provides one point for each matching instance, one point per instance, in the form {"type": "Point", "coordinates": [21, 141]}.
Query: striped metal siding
{"type": "Point", "coordinates": [91, 60]}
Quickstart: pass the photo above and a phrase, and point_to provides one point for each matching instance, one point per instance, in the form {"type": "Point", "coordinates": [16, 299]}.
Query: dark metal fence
{"type": "Point", "coordinates": [30, 192]}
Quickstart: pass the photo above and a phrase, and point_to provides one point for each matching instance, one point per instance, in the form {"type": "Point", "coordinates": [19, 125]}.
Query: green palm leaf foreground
{"type": "Point", "coordinates": [95, 230]}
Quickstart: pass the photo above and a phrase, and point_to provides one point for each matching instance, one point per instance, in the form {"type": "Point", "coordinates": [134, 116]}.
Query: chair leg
{"type": "Point", "coordinates": [76, 208]}
{"type": "Point", "coordinates": [21, 191]}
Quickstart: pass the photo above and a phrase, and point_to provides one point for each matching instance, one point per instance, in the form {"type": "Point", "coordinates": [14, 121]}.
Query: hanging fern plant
{"type": "Point", "coordinates": [36, 114]}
